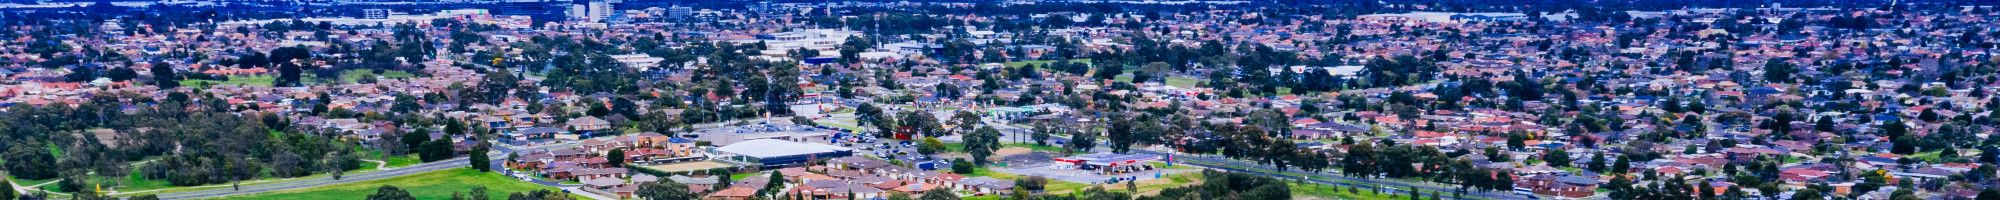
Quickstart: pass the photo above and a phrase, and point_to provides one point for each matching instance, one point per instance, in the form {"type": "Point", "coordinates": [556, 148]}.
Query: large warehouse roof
{"type": "Point", "coordinates": [767, 148]}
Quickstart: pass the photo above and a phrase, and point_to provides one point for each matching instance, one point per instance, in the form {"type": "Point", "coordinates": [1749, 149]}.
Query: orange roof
{"type": "Point", "coordinates": [734, 192]}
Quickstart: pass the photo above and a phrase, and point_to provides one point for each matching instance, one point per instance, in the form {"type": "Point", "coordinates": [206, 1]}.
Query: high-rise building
{"type": "Point", "coordinates": [590, 10]}
{"type": "Point", "coordinates": [679, 12]}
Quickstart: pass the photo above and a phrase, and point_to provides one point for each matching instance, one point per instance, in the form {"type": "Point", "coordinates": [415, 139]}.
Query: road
{"type": "Point", "coordinates": [307, 183]}
{"type": "Point", "coordinates": [500, 153]}
{"type": "Point", "coordinates": [1318, 177]}
{"type": "Point", "coordinates": [503, 150]}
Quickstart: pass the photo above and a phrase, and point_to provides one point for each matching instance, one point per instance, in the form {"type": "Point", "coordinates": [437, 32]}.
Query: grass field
{"type": "Point", "coordinates": [129, 191]}
{"type": "Point", "coordinates": [257, 80]}
{"type": "Point", "coordinates": [1318, 191]}
{"type": "Point", "coordinates": [390, 161]}
{"type": "Point", "coordinates": [1154, 186]}
{"type": "Point", "coordinates": [50, 187]}
{"type": "Point", "coordinates": [689, 166]}
{"type": "Point", "coordinates": [431, 185]}
{"type": "Point", "coordinates": [136, 182]}
{"type": "Point", "coordinates": [740, 176]}
{"type": "Point", "coordinates": [400, 161]}
{"type": "Point", "coordinates": [839, 124]}
{"type": "Point", "coordinates": [352, 75]}
{"type": "Point", "coordinates": [1182, 82]}
{"type": "Point", "coordinates": [1054, 186]}
{"type": "Point", "coordinates": [960, 147]}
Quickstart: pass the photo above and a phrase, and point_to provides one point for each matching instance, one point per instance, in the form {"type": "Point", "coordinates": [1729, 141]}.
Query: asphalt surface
{"type": "Point", "coordinates": [308, 183]}
{"type": "Point", "coordinates": [499, 154]}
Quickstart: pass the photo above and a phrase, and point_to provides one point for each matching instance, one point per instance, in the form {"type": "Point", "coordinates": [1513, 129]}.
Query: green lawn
{"type": "Point", "coordinates": [839, 125]}
{"type": "Point", "coordinates": [1054, 187]}
{"type": "Point", "coordinates": [349, 76]}
{"type": "Point", "coordinates": [389, 160]}
{"type": "Point", "coordinates": [1182, 82]}
{"type": "Point", "coordinates": [399, 161]}
{"type": "Point", "coordinates": [430, 185]}
{"type": "Point", "coordinates": [142, 188]}
{"type": "Point", "coordinates": [1333, 192]}
{"type": "Point", "coordinates": [960, 147]}
{"type": "Point", "coordinates": [256, 80]}
{"type": "Point", "coordinates": [55, 151]}
{"type": "Point", "coordinates": [136, 182]}
{"type": "Point", "coordinates": [740, 176]}
{"type": "Point", "coordinates": [1154, 186]}
{"type": "Point", "coordinates": [50, 187]}
{"type": "Point", "coordinates": [1041, 148]}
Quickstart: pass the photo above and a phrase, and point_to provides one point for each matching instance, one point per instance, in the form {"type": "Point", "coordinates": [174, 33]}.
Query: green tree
{"type": "Point", "coordinates": [164, 77]}
{"type": "Point", "coordinates": [479, 160]}
{"type": "Point", "coordinates": [930, 145]}
{"type": "Point", "coordinates": [479, 193]}
{"type": "Point", "coordinates": [775, 185]}
{"type": "Point", "coordinates": [1557, 158]}
{"type": "Point", "coordinates": [1596, 162]}
{"type": "Point", "coordinates": [868, 114]}
{"type": "Point", "coordinates": [982, 143]}
{"type": "Point", "coordinates": [938, 194]}
{"type": "Point", "coordinates": [1360, 160]}
{"type": "Point", "coordinates": [435, 150]}
{"type": "Point", "coordinates": [10, 195]}
{"type": "Point", "coordinates": [721, 182]}
{"type": "Point", "coordinates": [961, 166]}
{"type": "Point", "coordinates": [1806, 194]}
{"type": "Point", "coordinates": [922, 123]}
{"type": "Point", "coordinates": [390, 193]}
{"type": "Point", "coordinates": [664, 189]}
{"type": "Point", "coordinates": [1042, 132]}
{"type": "Point", "coordinates": [1778, 71]}
{"type": "Point", "coordinates": [1081, 141]}
{"type": "Point", "coordinates": [1120, 135]}
{"type": "Point", "coordinates": [30, 162]}
{"type": "Point", "coordinates": [414, 141]}
{"type": "Point", "coordinates": [1623, 165]}
{"type": "Point", "coordinates": [964, 122]}
{"type": "Point", "coordinates": [616, 156]}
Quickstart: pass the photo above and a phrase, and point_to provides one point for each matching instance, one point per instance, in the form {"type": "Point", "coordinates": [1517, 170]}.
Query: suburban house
{"type": "Point", "coordinates": [1563, 186]}
{"type": "Point", "coordinates": [588, 124]}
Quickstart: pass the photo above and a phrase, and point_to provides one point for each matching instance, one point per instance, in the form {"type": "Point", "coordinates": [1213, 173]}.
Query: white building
{"type": "Point", "coordinates": [593, 11]}
{"type": "Point", "coordinates": [641, 62]}
{"type": "Point", "coordinates": [827, 41]}
{"type": "Point", "coordinates": [375, 13]}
